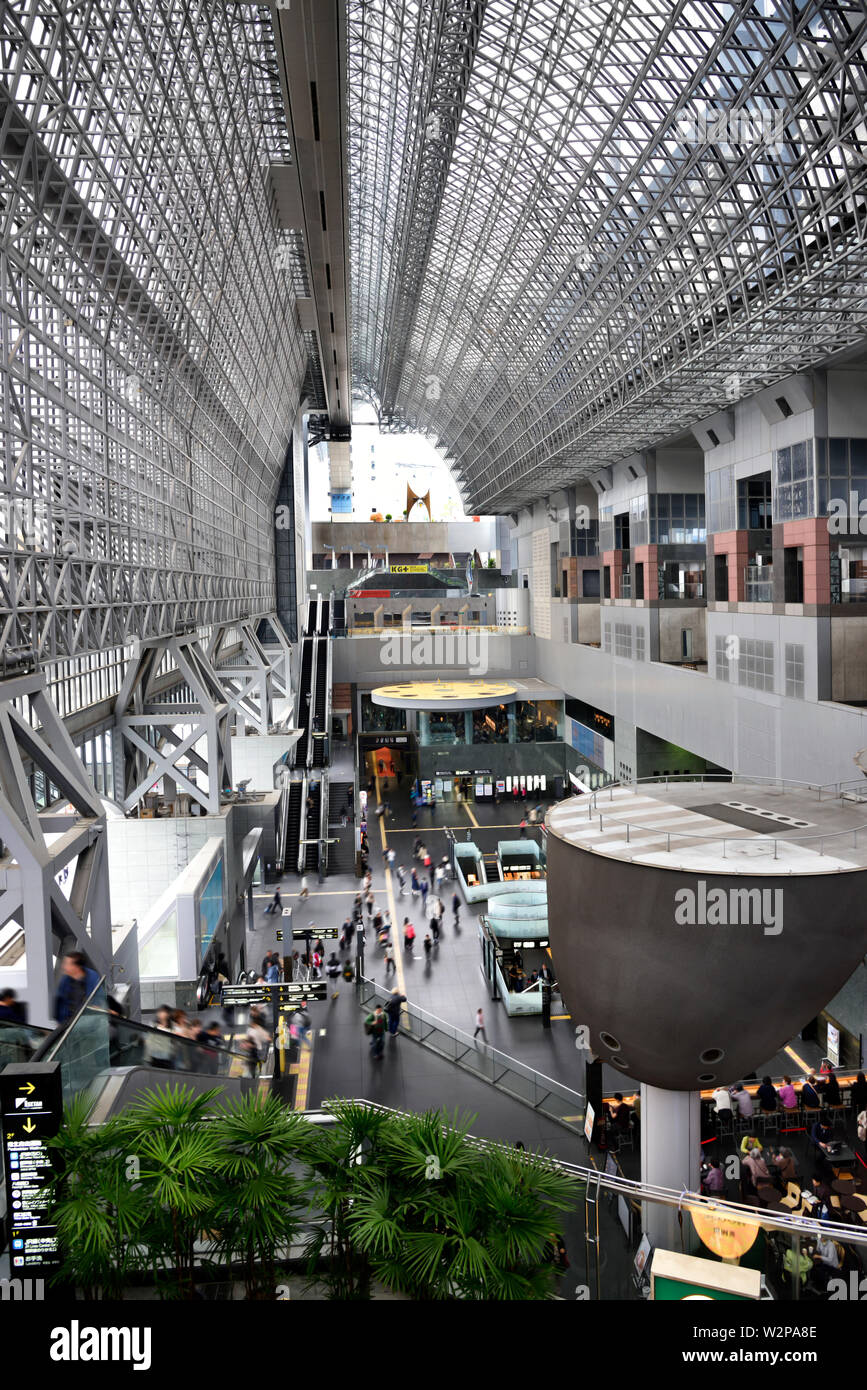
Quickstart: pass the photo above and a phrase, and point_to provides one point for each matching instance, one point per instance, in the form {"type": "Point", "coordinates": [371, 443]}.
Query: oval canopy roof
{"type": "Point", "coordinates": [444, 695]}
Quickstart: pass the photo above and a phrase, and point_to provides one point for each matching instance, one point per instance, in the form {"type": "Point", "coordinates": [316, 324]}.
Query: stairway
{"type": "Point", "coordinates": [320, 701]}
{"type": "Point", "coordinates": [311, 829]}
{"type": "Point", "coordinates": [341, 856]}
{"type": "Point", "coordinates": [293, 828]}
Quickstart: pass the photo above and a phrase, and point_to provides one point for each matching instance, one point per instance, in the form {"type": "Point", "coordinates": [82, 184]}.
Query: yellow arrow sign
{"type": "Point", "coordinates": [29, 1126]}
{"type": "Point", "coordinates": [29, 1088]}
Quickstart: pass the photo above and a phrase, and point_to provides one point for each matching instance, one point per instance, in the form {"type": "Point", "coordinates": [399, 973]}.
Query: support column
{"type": "Point", "coordinates": [670, 1156]}
{"type": "Point", "coordinates": [39, 845]}
{"type": "Point", "coordinates": [512, 719]}
{"type": "Point", "coordinates": [468, 727]}
{"type": "Point", "coordinates": [424, 728]}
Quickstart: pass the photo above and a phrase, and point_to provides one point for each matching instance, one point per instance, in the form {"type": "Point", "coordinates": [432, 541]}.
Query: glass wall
{"type": "Point", "coordinates": [538, 721]}
{"type": "Point", "coordinates": [794, 489]}
{"type": "Point", "coordinates": [491, 725]}
{"type": "Point", "coordinates": [841, 469]}
{"type": "Point", "coordinates": [677, 518]}
{"type": "Point", "coordinates": [376, 719]}
{"type": "Point", "coordinates": [444, 726]}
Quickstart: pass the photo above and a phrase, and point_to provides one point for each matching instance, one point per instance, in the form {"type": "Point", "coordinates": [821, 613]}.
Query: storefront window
{"type": "Point", "coordinates": [538, 721]}
{"type": "Point", "coordinates": [491, 725]}
{"type": "Point", "coordinates": [446, 727]}
{"type": "Point", "coordinates": [377, 719]}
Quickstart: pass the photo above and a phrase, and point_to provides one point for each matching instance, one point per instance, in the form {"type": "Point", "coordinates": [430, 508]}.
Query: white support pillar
{"type": "Point", "coordinates": [670, 1157]}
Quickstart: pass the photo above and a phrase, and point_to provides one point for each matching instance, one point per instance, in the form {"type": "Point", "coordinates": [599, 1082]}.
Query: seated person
{"type": "Point", "coordinates": [818, 1197]}
{"type": "Point", "coordinates": [767, 1096]}
{"type": "Point", "coordinates": [744, 1102]}
{"type": "Point", "coordinates": [749, 1142]}
{"type": "Point", "coordinates": [722, 1100]}
{"type": "Point", "coordinates": [619, 1112]}
{"type": "Point", "coordinates": [809, 1094]}
{"type": "Point", "coordinates": [788, 1094]}
{"type": "Point", "coordinates": [784, 1162]}
{"type": "Point", "coordinates": [800, 1263]}
{"type": "Point", "coordinates": [756, 1167]}
{"type": "Point", "coordinates": [821, 1134]}
{"type": "Point", "coordinates": [831, 1094]}
{"type": "Point", "coordinates": [713, 1180]}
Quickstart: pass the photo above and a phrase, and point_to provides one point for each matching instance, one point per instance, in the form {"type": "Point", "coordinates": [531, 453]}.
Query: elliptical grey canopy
{"type": "Point", "coordinates": [578, 228]}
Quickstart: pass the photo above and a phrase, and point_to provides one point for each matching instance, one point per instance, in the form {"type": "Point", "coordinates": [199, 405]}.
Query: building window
{"type": "Point", "coordinates": [639, 644]}
{"type": "Point", "coordinates": [721, 666]}
{"type": "Point", "coordinates": [756, 664]}
{"type": "Point", "coordinates": [606, 637]}
{"type": "Point", "coordinates": [794, 490]}
{"type": "Point", "coordinates": [622, 639]}
{"type": "Point", "coordinates": [794, 671]}
{"type": "Point", "coordinates": [721, 499]}
{"type": "Point", "coordinates": [677, 519]}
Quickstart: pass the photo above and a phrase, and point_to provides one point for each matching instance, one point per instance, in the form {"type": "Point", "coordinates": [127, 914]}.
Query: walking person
{"type": "Point", "coordinates": [375, 1026]}
{"type": "Point", "coordinates": [276, 904]}
{"type": "Point", "coordinates": [408, 937]}
{"type": "Point", "coordinates": [423, 889]}
{"type": "Point", "coordinates": [480, 1025]}
{"type": "Point", "coordinates": [301, 1024]}
{"type": "Point", "coordinates": [415, 885]}
{"type": "Point", "coordinates": [456, 909]}
{"type": "Point", "coordinates": [305, 891]}
{"type": "Point", "coordinates": [523, 827]}
{"type": "Point", "coordinates": [390, 966]}
{"type": "Point", "coordinates": [428, 947]}
{"type": "Point", "coordinates": [392, 1008]}
{"type": "Point", "coordinates": [401, 878]}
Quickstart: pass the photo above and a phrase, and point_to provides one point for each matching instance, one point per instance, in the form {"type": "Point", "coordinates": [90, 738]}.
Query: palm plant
{"type": "Point", "coordinates": [342, 1160]}
{"type": "Point", "coordinates": [454, 1220]}
{"type": "Point", "coordinates": [261, 1200]}
{"type": "Point", "coordinates": [177, 1155]}
{"type": "Point", "coordinates": [98, 1211]}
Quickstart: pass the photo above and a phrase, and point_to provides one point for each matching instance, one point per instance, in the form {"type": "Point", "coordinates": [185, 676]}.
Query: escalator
{"type": "Point", "coordinates": [292, 843]}
{"type": "Point", "coordinates": [304, 715]}
{"type": "Point", "coordinates": [338, 617]}
{"type": "Point", "coordinates": [324, 617]}
{"type": "Point", "coordinates": [310, 627]}
{"type": "Point", "coordinates": [311, 827]}
{"type": "Point", "coordinates": [320, 702]}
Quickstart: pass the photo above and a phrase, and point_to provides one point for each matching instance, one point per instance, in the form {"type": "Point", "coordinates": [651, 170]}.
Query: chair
{"type": "Point", "coordinates": [769, 1120]}
{"type": "Point", "coordinates": [793, 1197]}
{"type": "Point", "coordinates": [838, 1116]}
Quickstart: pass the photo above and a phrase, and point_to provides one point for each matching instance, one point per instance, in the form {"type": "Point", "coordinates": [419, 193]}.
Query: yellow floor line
{"type": "Point", "coordinates": [555, 1018]}
{"type": "Point", "coordinates": [301, 1069]}
{"type": "Point", "coordinates": [396, 927]}
{"type": "Point", "coordinates": [469, 811]}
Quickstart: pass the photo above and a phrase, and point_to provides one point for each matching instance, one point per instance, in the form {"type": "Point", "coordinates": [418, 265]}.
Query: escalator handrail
{"type": "Point", "coordinates": [45, 1050]}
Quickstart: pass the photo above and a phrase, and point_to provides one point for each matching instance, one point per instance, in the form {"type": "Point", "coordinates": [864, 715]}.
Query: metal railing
{"type": "Point", "coordinates": [542, 1093]}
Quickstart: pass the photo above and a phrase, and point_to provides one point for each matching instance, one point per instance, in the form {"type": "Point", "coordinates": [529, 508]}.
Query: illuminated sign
{"type": "Point", "coordinates": [409, 569]}
{"type": "Point", "coordinates": [31, 1105]}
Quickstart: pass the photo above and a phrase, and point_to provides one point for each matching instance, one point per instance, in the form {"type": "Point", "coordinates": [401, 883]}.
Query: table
{"type": "Point", "coordinates": [852, 1203]}
{"type": "Point", "coordinates": [844, 1159]}
{"type": "Point", "coordinates": [843, 1185]}
{"type": "Point", "coordinates": [771, 1198]}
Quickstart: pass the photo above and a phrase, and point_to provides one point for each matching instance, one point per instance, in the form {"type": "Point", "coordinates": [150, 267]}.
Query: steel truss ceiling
{"type": "Point", "coordinates": [150, 357]}
{"type": "Point", "coordinates": [576, 228]}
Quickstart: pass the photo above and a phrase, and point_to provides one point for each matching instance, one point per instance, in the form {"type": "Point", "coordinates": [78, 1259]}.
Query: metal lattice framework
{"type": "Point", "coordinates": [151, 364]}
{"type": "Point", "coordinates": [577, 228]}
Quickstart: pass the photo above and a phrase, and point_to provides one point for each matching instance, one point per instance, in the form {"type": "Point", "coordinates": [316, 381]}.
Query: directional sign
{"type": "Point", "coordinates": [31, 1109]}
{"type": "Point", "coordinates": [321, 933]}
{"type": "Point", "coordinates": [288, 992]}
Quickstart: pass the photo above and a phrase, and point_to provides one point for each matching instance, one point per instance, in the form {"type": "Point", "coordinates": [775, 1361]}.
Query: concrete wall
{"type": "Point", "coordinates": [419, 537]}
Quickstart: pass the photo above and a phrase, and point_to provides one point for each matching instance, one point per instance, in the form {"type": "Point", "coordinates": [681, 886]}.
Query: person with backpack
{"type": "Point", "coordinates": [301, 1025]}
{"type": "Point", "coordinates": [375, 1026]}
{"type": "Point", "coordinates": [392, 1009]}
